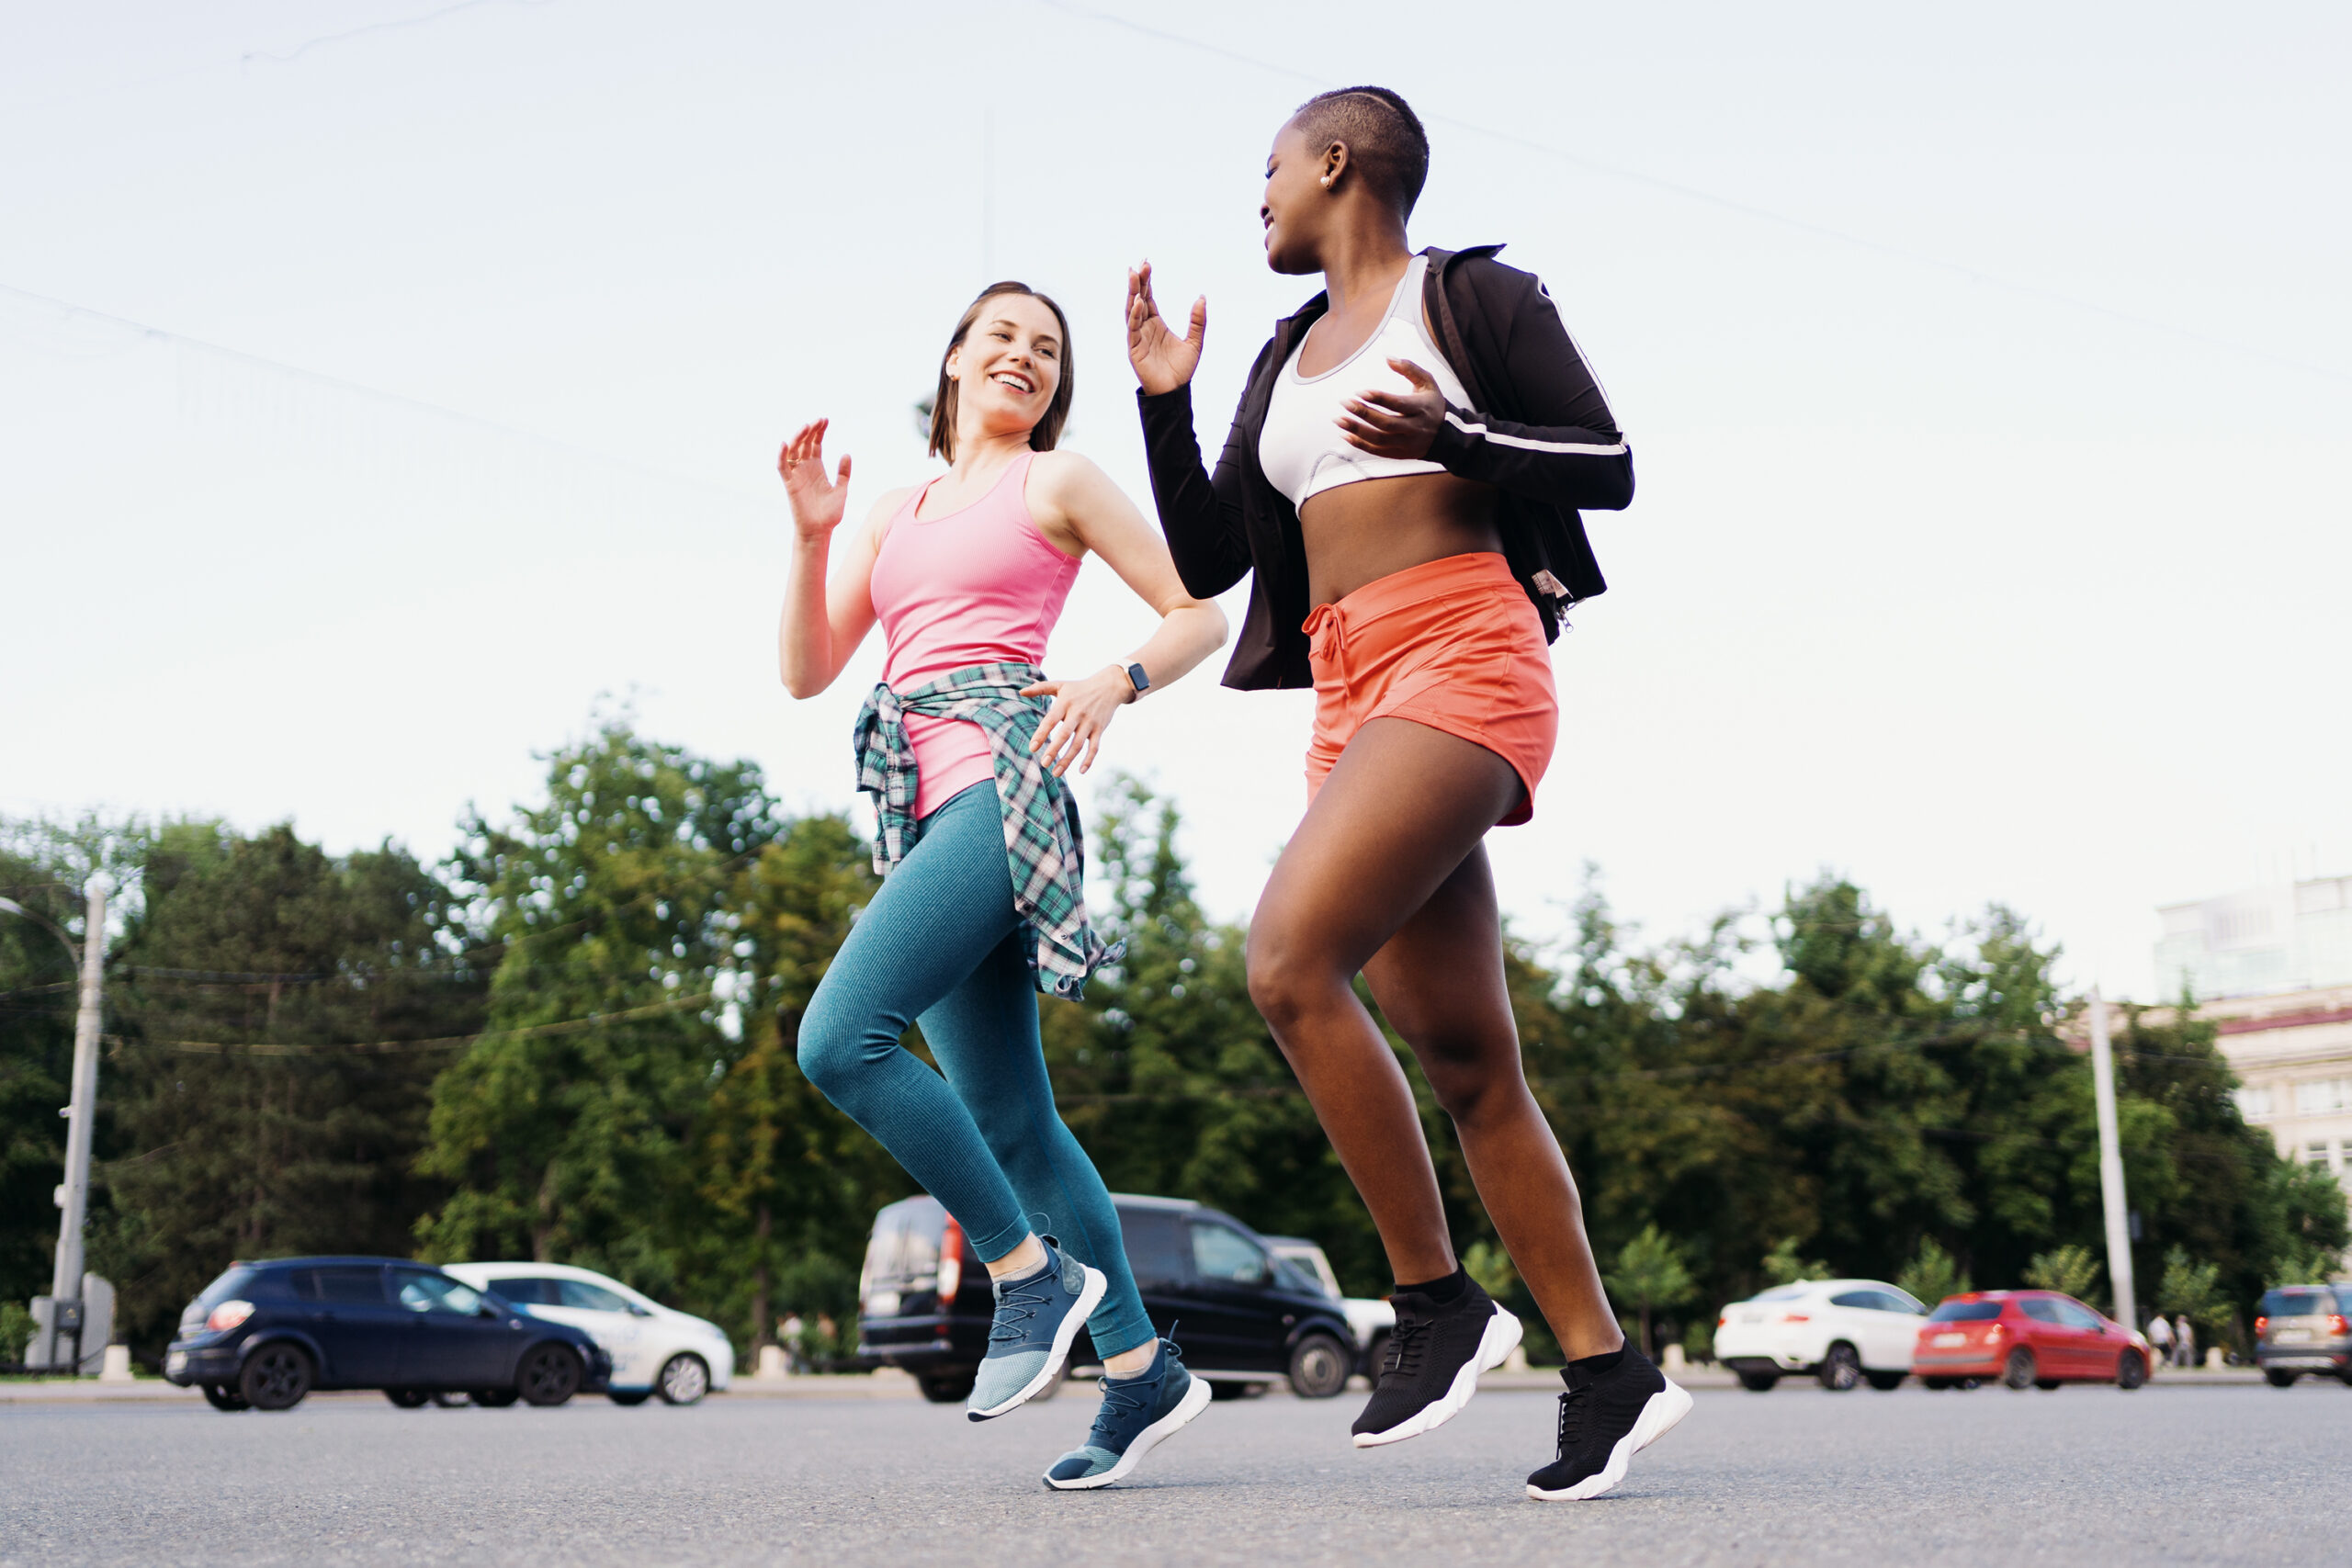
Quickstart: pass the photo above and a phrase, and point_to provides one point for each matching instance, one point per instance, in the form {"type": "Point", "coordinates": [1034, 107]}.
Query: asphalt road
{"type": "Point", "coordinates": [2179, 1474]}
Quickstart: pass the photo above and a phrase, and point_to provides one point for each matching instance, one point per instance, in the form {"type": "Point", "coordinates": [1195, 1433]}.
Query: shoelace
{"type": "Point", "coordinates": [1121, 1401]}
{"type": "Point", "coordinates": [1572, 1405]}
{"type": "Point", "coordinates": [1015, 1303]}
{"type": "Point", "coordinates": [1404, 1349]}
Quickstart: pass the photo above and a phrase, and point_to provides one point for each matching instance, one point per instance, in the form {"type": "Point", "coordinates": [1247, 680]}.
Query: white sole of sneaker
{"type": "Point", "coordinates": [1089, 1296]}
{"type": "Point", "coordinates": [1667, 1406]}
{"type": "Point", "coordinates": [1495, 1346]}
{"type": "Point", "coordinates": [1195, 1400]}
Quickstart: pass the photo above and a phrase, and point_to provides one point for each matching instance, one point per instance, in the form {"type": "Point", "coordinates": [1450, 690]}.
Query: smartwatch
{"type": "Point", "coordinates": [1137, 679]}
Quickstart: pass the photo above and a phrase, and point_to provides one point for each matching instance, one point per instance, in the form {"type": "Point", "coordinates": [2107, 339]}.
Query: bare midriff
{"type": "Point", "coordinates": [1359, 533]}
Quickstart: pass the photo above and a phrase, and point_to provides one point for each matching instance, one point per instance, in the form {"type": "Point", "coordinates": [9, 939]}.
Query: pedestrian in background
{"type": "Point", "coordinates": [2160, 1339]}
{"type": "Point", "coordinates": [1402, 482]}
{"type": "Point", "coordinates": [964, 746]}
{"type": "Point", "coordinates": [2184, 1342]}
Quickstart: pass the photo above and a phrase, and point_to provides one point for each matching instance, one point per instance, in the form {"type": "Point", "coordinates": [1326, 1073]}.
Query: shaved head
{"type": "Point", "coordinates": [1384, 137]}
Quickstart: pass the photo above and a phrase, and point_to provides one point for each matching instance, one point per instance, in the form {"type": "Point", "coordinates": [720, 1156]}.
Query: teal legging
{"type": "Point", "coordinates": [941, 945]}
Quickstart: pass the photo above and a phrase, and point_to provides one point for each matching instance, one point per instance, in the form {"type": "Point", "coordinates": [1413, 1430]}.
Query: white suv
{"type": "Point", "coordinates": [654, 1349]}
{"type": "Point", "coordinates": [1841, 1331]}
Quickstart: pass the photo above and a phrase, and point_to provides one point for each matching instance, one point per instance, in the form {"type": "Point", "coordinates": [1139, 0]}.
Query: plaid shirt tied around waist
{"type": "Point", "coordinates": [1044, 847]}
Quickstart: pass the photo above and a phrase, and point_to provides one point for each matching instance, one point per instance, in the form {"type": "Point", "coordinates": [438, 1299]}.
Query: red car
{"type": "Point", "coordinates": [2022, 1337]}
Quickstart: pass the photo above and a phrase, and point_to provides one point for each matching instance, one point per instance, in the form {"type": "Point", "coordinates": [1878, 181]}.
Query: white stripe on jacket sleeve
{"type": "Point", "coordinates": [1526, 444]}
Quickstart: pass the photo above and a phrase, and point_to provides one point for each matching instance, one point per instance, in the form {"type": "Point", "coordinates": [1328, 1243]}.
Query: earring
{"type": "Point", "coordinates": [1327, 182]}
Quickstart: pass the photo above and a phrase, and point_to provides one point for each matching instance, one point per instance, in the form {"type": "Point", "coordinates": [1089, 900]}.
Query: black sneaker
{"type": "Point", "coordinates": [1436, 1354]}
{"type": "Point", "coordinates": [1604, 1422]}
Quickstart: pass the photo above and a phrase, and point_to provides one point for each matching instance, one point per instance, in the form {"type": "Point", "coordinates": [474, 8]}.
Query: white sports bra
{"type": "Point", "coordinates": [1301, 448]}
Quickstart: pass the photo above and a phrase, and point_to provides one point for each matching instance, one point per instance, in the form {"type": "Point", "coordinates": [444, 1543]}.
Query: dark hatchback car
{"type": "Point", "coordinates": [2304, 1328]}
{"type": "Point", "coordinates": [1243, 1316]}
{"type": "Point", "coordinates": [263, 1334]}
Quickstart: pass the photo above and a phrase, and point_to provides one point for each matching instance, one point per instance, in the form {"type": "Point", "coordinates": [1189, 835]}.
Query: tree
{"type": "Point", "coordinates": [565, 1132]}
{"type": "Point", "coordinates": [2071, 1270]}
{"type": "Point", "coordinates": [2194, 1290]}
{"type": "Point", "coordinates": [1932, 1274]}
{"type": "Point", "coordinates": [1650, 1275]}
{"type": "Point", "coordinates": [1783, 1267]}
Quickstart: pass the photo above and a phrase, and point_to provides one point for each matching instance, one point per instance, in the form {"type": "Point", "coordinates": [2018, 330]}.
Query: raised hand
{"type": "Point", "coordinates": [816, 502]}
{"type": "Point", "coordinates": [1395, 424]}
{"type": "Point", "coordinates": [1163, 361]}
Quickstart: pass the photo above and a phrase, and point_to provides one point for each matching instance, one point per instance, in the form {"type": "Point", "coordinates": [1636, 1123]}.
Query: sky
{"type": "Point", "coordinates": [389, 389]}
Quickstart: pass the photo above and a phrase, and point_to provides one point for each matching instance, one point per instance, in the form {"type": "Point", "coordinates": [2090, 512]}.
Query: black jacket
{"type": "Point", "coordinates": [1541, 435]}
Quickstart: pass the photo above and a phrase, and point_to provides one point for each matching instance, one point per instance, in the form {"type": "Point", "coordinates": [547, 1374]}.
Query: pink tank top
{"type": "Point", "coordinates": [977, 586]}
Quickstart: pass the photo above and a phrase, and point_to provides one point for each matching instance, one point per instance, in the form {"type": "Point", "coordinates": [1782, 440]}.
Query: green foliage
{"type": "Point", "coordinates": [1650, 1275]}
{"type": "Point", "coordinates": [2072, 1270]}
{"type": "Point", "coordinates": [1490, 1266]}
{"type": "Point", "coordinates": [2194, 1289]}
{"type": "Point", "coordinates": [1699, 1340]}
{"type": "Point", "coordinates": [1932, 1274]}
{"type": "Point", "coordinates": [1781, 1265]}
{"type": "Point", "coordinates": [15, 1330]}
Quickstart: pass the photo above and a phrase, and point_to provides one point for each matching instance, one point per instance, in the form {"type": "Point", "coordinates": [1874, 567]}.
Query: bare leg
{"type": "Point", "coordinates": [1440, 980]}
{"type": "Point", "coordinates": [1401, 813]}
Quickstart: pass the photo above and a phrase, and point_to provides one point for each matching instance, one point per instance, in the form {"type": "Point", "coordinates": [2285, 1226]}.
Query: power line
{"type": "Point", "coordinates": [1730, 204]}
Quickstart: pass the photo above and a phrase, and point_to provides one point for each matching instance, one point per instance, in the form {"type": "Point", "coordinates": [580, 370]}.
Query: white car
{"type": "Point", "coordinates": [1370, 1320]}
{"type": "Point", "coordinates": [654, 1349]}
{"type": "Point", "coordinates": [1840, 1331]}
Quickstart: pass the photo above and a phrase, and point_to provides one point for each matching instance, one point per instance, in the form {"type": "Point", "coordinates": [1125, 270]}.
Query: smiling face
{"type": "Point", "coordinates": [1004, 373]}
{"type": "Point", "coordinates": [1297, 206]}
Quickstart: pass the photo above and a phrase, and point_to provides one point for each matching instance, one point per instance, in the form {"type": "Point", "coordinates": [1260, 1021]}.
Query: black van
{"type": "Point", "coordinates": [1243, 1316]}
{"type": "Point", "coordinates": [263, 1334]}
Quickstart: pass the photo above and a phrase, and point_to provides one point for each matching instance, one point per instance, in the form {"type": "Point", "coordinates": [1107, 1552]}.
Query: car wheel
{"type": "Point", "coordinates": [2131, 1371]}
{"type": "Point", "coordinates": [2279, 1377]}
{"type": "Point", "coordinates": [217, 1396]}
{"type": "Point", "coordinates": [1935, 1385]}
{"type": "Point", "coordinates": [950, 1387]}
{"type": "Point", "coordinates": [1758, 1382]}
{"type": "Point", "coordinates": [495, 1398]}
{"type": "Point", "coordinates": [1886, 1382]}
{"type": "Point", "coordinates": [631, 1396]}
{"type": "Point", "coordinates": [2018, 1372]}
{"type": "Point", "coordinates": [407, 1398]}
{"type": "Point", "coordinates": [1319, 1366]}
{"type": "Point", "coordinates": [549, 1374]}
{"type": "Point", "coordinates": [1841, 1368]}
{"type": "Point", "coordinates": [684, 1379]}
{"type": "Point", "coordinates": [1220, 1389]}
{"type": "Point", "coordinates": [275, 1377]}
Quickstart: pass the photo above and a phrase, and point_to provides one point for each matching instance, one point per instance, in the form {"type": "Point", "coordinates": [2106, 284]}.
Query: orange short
{"type": "Point", "coordinates": [1453, 644]}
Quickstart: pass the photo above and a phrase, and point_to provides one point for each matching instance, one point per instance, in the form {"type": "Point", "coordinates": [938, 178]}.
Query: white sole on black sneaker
{"type": "Point", "coordinates": [1659, 1414]}
{"type": "Point", "coordinates": [1089, 1296]}
{"type": "Point", "coordinates": [1195, 1400]}
{"type": "Point", "coordinates": [1495, 1346]}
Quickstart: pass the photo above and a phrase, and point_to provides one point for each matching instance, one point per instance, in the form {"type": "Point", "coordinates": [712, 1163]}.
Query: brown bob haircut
{"type": "Point", "coordinates": [1048, 429]}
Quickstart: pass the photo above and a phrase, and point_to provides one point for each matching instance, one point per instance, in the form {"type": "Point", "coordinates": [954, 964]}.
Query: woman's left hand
{"type": "Point", "coordinates": [1082, 710]}
{"type": "Point", "coordinates": [1395, 424]}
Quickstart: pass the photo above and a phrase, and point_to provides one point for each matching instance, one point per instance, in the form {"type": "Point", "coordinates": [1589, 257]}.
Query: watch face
{"type": "Point", "coordinates": [1142, 681]}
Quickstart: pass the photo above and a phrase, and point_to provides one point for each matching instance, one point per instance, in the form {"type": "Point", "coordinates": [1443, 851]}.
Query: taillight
{"type": "Point", "coordinates": [228, 1315]}
{"type": "Point", "coordinates": [950, 1262]}
{"type": "Point", "coordinates": [2262, 1327]}
{"type": "Point", "coordinates": [1721, 1318]}
{"type": "Point", "coordinates": [1996, 1331]}
{"type": "Point", "coordinates": [2335, 1325]}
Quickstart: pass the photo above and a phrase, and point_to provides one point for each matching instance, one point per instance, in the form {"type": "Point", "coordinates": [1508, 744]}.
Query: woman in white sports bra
{"type": "Point", "coordinates": [1403, 482]}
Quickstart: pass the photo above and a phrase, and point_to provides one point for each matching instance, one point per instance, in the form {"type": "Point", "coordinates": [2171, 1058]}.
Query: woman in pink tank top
{"type": "Point", "coordinates": [964, 745]}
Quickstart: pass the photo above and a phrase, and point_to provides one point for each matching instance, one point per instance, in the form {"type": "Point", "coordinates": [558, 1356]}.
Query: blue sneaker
{"type": "Point", "coordinates": [1036, 1318]}
{"type": "Point", "coordinates": [1139, 1414]}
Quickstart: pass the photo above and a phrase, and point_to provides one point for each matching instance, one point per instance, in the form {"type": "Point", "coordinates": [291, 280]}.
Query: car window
{"type": "Point", "coordinates": [1293, 1275]}
{"type": "Point", "coordinates": [1224, 1254]}
{"type": "Point", "coordinates": [2296, 1303]}
{"type": "Point", "coordinates": [2073, 1315]}
{"type": "Point", "coordinates": [237, 1280]}
{"type": "Point", "coordinates": [1156, 1248]}
{"type": "Point", "coordinates": [434, 1292]}
{"type": "Point", "coordinates": [587, 1297]}
{"type": "Point", "coordinates": [353, 1285]}
{"type": "Point", "coordinates": [524, 1290]}
{"type": "Point", "coordinates": [1902, 1301]}
{"type": "Point", "coordinates": [2041, 1309]}
{"type": "Point", "coordinates": [1869, 1300]}
{"type": "Point", "coordinates": [1965, 1311]}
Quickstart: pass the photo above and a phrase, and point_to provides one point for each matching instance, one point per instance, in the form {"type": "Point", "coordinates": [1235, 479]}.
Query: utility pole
{"type": "Point", "coordinates": [74, 1197]}
{"type": "Point", "coordinates": [2111, 1167]}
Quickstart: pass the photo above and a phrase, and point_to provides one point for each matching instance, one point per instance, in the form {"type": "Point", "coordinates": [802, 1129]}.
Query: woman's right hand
{"type": "Point", "coordinates": [1163, 361]}
{"type": "Point", "coordinates": [816, 502]}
